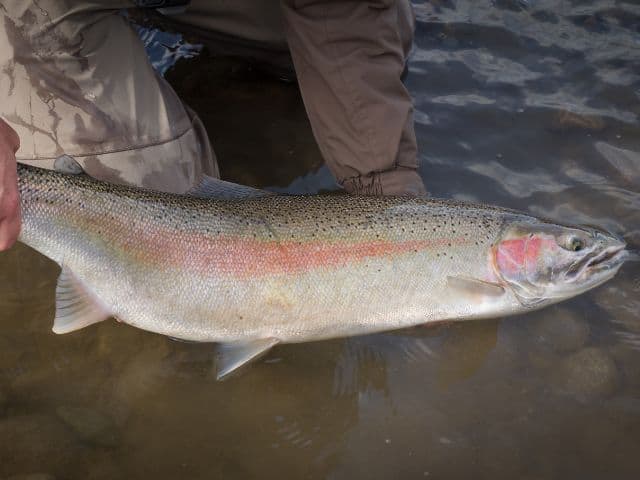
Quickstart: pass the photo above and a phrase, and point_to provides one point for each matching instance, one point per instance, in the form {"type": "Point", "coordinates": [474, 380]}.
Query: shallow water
{"type": "Point", "coordinates": [527, 104]}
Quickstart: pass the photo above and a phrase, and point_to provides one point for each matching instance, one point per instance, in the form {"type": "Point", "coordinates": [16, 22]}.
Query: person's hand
{"type": "Point", "coordinates": [9, 197]}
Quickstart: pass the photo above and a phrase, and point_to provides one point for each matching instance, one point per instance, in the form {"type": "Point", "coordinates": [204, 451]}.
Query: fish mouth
{"type": "Point", "coordinates": [609, 259]}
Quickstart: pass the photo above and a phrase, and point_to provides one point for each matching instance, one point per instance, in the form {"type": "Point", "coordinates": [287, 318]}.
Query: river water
{"type": "Point", "coordinates": [532, 105]}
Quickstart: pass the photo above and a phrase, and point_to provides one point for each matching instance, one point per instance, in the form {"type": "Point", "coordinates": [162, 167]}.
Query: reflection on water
{"type": "Point", "coordinates": [527, 104]}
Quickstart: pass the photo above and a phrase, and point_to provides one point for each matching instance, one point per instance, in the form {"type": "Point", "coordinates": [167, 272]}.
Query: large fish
{"type": "Point", "coordinates": [248, 269]}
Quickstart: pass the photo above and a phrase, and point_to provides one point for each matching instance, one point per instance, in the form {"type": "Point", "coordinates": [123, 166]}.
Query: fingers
{"type": "Point", "coordinates": [8, 137]}
{"type": "Point", "coordinates": [9, 214]}
{"type": "Point", "coordinates": [9, 229]}
{"type": "Point", "coordinates": [9, 196]}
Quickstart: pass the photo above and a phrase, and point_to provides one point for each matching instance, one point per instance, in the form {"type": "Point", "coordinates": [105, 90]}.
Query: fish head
{"type": "Point", "coordinates": [544, 263]}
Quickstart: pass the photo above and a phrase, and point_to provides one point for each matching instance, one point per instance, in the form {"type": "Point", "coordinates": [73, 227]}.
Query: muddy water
{"type": "Point", "coordinates": [526, 104]}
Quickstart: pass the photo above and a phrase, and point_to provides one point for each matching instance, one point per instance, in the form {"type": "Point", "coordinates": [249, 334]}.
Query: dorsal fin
{"type": "Point", "coordinates": [209, 187]}
{"type": "Point", "coordinates": [234, 355]}
{"type": "Point", "coordinates": [76, 306]}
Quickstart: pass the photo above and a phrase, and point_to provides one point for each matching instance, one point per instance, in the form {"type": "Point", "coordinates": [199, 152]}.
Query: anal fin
{"type": "Point", "coordinates": [234, 355]}
{"type": "Point", "coordinates": [76, 306]}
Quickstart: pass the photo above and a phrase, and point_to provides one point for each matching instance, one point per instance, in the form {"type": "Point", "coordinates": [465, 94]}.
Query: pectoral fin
{"type": "Point", "coordinates": [528, 301]}
{"type": "Point", "coordinates": [232, 356]}
{"type": "Point", "coordinates": [473, 286]}
{"type": "Point", "coordinates": [76, 306]}
{"type": "Point", "coordinates": [210, 187]}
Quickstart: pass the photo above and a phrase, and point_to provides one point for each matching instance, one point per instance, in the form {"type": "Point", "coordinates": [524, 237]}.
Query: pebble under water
{"type": "Point", "coordinates": [527, 104]}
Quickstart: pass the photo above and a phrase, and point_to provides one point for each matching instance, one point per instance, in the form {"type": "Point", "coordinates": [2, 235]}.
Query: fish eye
{"type": "Point", "coordinates": [573, 244]}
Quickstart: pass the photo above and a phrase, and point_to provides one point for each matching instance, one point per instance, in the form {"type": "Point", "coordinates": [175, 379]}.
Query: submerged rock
{"type": "Point", "coordinates": [588, 373]}
{"type": "Point", "coordinates": [543, 358]}
{"type": "Point", "coordinates": [561, 329]}
{"type": "Point", "coordinates": [627, 357]}
{"type": "Point", "coordinates": [90, 425]}
{"type": "Point", "coordinates": [565, 120]}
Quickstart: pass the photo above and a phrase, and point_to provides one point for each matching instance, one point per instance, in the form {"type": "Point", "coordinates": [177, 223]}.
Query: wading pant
{"type": "Point", "coordinates": [75, 80]}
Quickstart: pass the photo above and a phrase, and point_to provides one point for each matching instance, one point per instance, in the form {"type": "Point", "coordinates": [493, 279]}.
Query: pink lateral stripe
{"type": "Point", "coordinates": [244, 257]}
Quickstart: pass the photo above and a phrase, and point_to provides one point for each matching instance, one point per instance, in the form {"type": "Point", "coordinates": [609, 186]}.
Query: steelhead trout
{"type": "Point", "coordinates": [248, 269]}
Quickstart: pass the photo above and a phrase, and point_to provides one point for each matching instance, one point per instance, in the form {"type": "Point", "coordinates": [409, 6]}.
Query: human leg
{"type": "Point", "coordinates": [77, 81]}
{"type": "Point", "coordinates": [349, 57]}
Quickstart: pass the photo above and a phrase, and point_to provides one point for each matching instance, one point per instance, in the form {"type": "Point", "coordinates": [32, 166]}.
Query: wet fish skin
{"type": "Point", "coordinates": [289, 268]}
